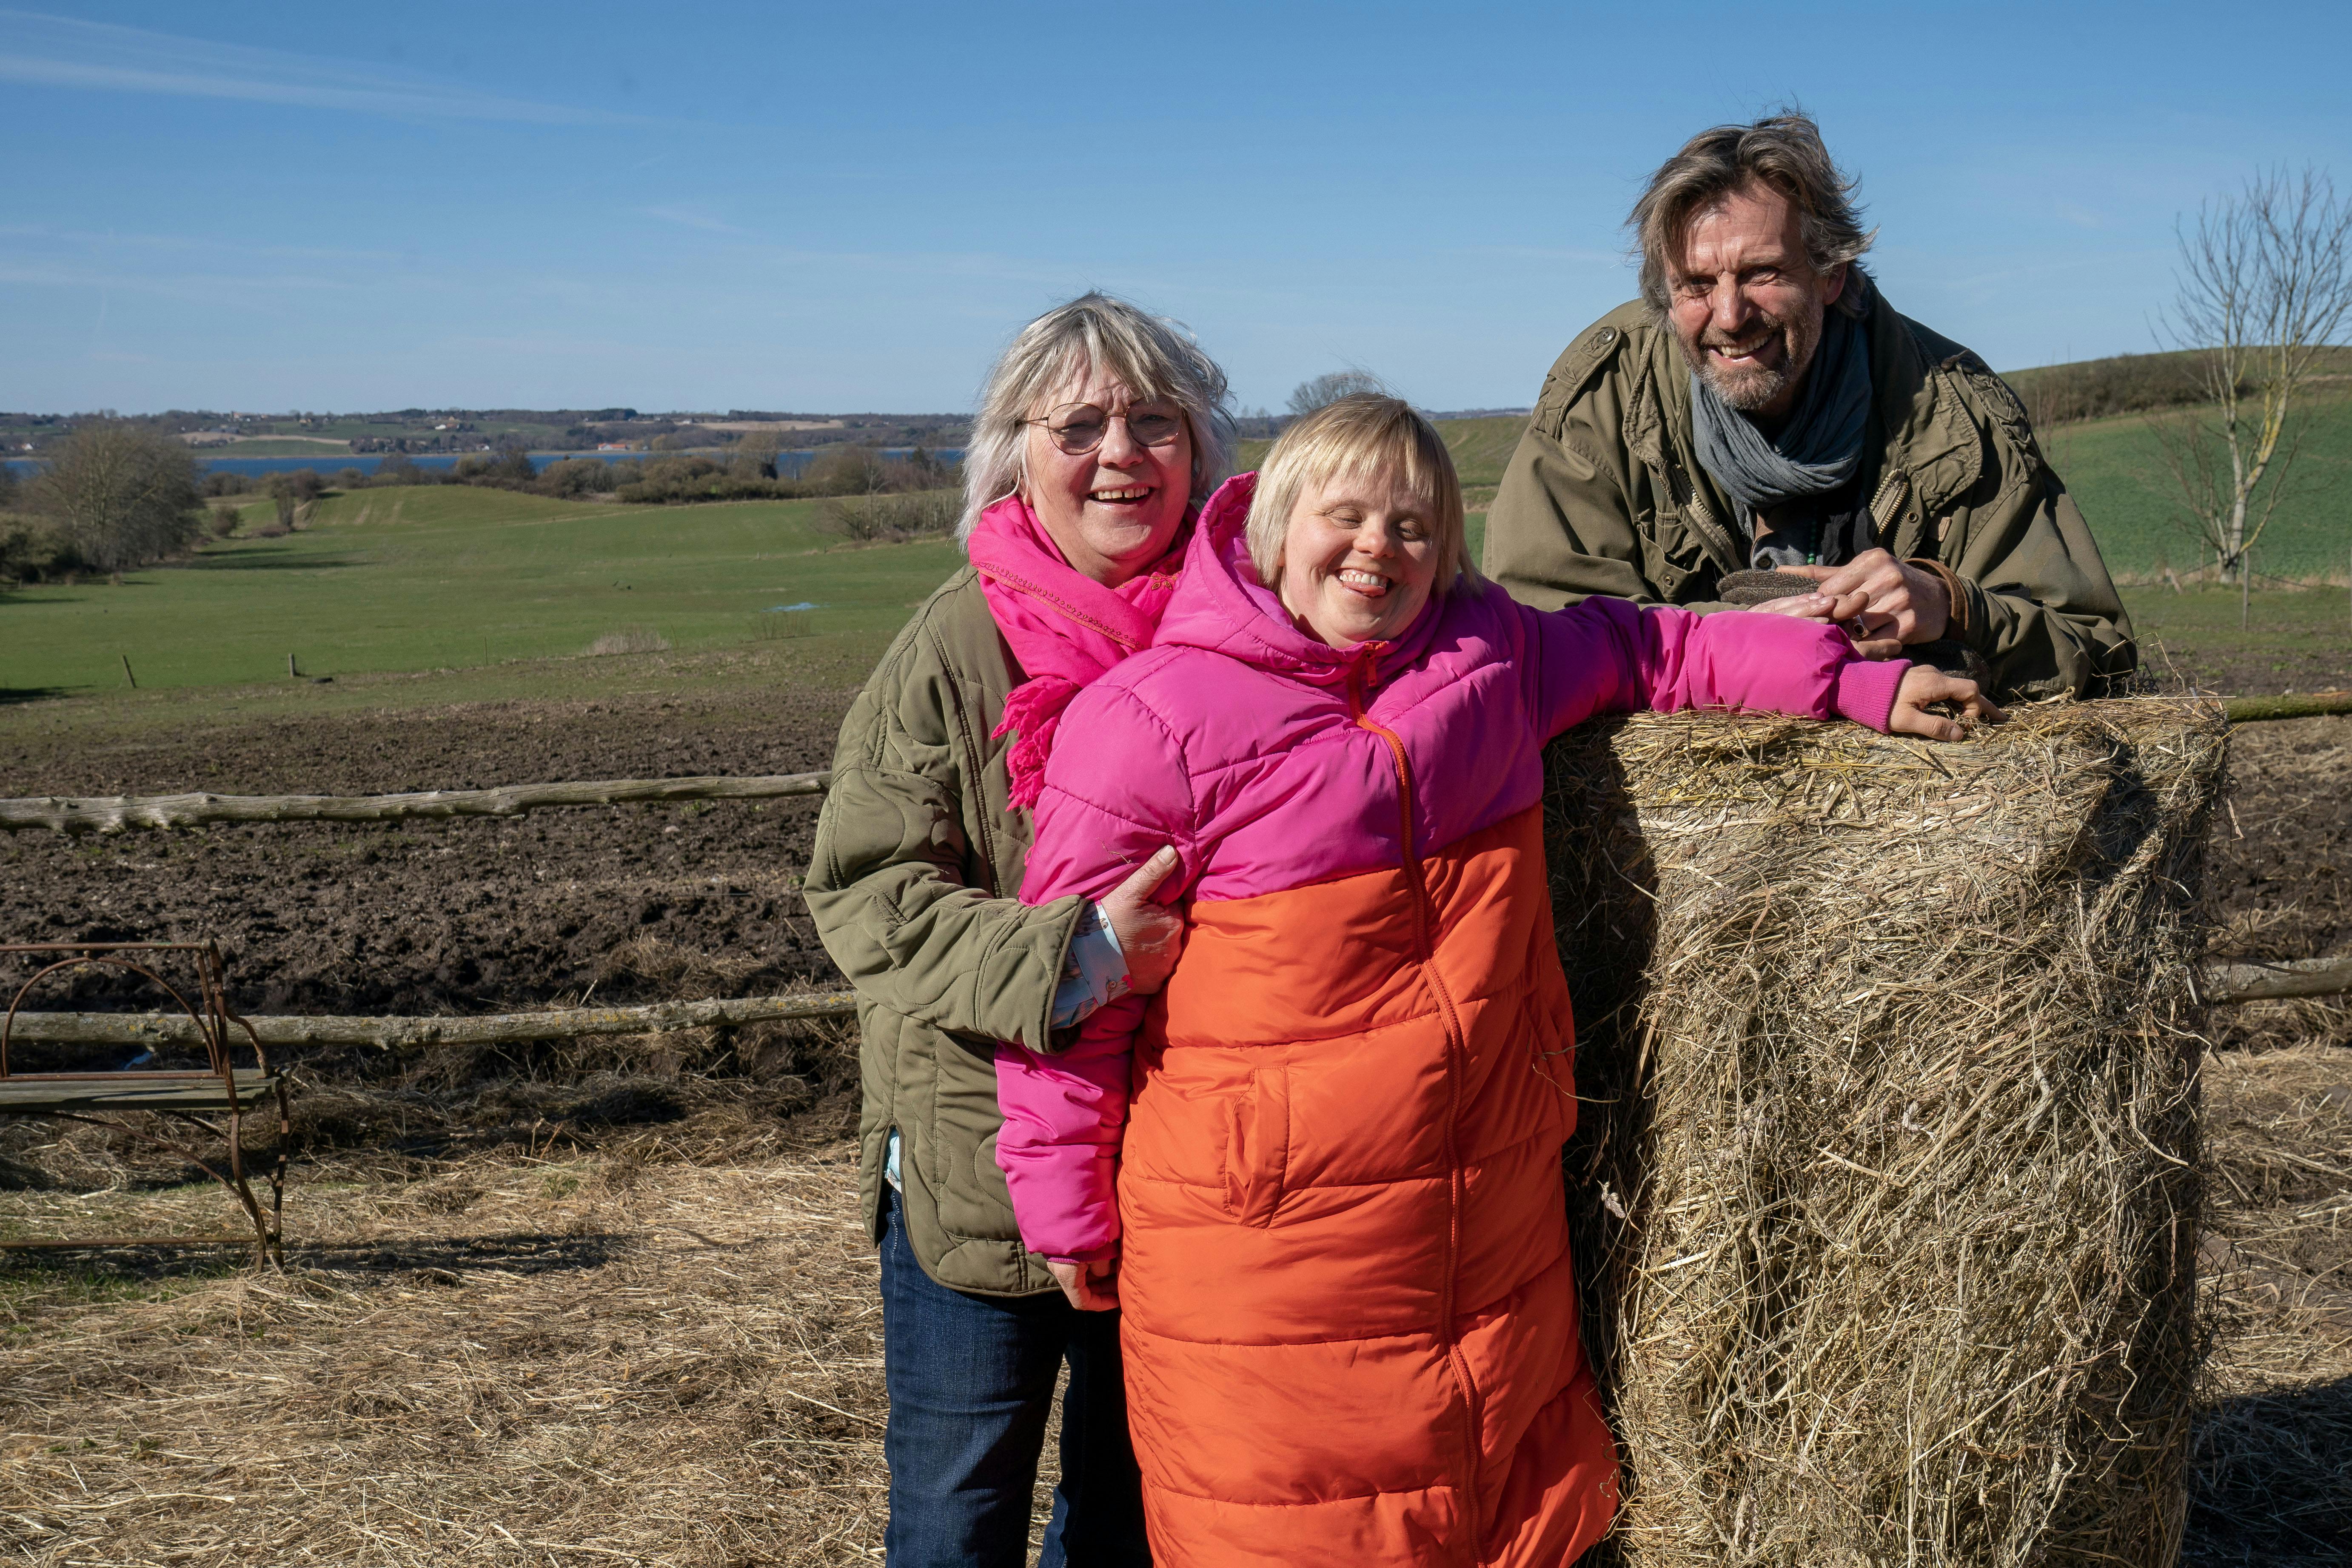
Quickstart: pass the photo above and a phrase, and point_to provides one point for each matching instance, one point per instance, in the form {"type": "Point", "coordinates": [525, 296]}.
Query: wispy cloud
{"type": "Point", "coordinates": [690, 217]}
{"type": "Point", "coordinates": [115, 239]}
{"type": "Point", "coordinates": [254, 292]}
{"type": "Point", "coordinates": [42, 50]}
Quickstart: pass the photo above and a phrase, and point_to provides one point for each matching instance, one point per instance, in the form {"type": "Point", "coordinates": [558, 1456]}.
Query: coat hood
{"type": "Point", "coordinates": [1219, 604]}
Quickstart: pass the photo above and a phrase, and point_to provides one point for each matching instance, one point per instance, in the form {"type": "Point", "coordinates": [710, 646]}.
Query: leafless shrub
{"type": "Point", "coordinates": [1329, 387]}
{"type": "Point", "coordinates": [629, 639]}
{"type": "Point", "coordinates": [893, 516]}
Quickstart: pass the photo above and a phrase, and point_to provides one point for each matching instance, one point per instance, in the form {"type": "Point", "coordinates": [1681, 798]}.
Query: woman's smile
{"type": "Point", "coordinates": [1358, 559]}
{"type": "Point", "coordinates": [1113, 506]}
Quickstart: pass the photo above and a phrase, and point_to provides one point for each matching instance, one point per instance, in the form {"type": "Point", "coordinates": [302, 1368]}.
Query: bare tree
{"type": "Point", "coordinates": [2265, 284]}
{"type": "Point", "coordinates": [1332, 386]}
{"type": "Point", "coordinates": [755, 455]}
{"type": "Point", "coordinates": [848, 471]}
{"type": "Point", "coordinates": [123, 495]}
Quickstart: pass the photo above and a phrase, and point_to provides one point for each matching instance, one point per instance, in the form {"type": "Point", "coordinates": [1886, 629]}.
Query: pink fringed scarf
{"type": "Point", "coordinates": [1065, 627]}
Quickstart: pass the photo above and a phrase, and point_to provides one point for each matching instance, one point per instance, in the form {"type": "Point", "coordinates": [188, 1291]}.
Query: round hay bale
{"type": "Point", "coordinates": [1887, 1183]}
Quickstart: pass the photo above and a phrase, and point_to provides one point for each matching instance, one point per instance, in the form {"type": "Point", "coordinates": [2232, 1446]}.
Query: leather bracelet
{"type": "Point", "coordinates": [1956, 595]}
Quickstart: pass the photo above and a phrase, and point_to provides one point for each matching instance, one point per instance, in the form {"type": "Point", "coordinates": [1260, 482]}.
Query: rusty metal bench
{"type": "Point", "coordinates": [145, 1104]}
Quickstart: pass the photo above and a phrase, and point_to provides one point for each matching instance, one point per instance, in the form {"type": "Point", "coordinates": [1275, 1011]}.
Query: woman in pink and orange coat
{"type": "Point", "coordinates": [1319, 1173]}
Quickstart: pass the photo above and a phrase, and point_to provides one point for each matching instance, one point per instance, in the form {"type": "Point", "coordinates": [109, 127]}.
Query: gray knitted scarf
{"type": "Point", "coordinates": [1821, 445]}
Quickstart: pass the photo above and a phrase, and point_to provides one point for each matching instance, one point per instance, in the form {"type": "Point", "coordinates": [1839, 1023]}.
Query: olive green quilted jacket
{"type": "Point", "coordinates": [913, 889]}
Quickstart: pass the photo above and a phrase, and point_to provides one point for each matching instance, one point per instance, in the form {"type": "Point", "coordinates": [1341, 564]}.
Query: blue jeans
{"type": "Point", "coordinates": [972, 1384]}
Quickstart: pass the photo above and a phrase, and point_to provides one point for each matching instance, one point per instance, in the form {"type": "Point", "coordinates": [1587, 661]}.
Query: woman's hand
{"type": "Point", "coordinates": [1923, 684]}
{"type": "Point", "coordinates": [1814, 606]}
{"type": "Point", "coordinates": [1150, 935]}
{"type": "Point", "coordinates": [1091, 1287]}
{"type": "Point", "coordinates": [1845, 611]}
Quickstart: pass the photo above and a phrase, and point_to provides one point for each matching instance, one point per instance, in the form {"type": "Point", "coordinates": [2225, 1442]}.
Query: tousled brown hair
{"type": "Point", "coordinates": [1784, 151]}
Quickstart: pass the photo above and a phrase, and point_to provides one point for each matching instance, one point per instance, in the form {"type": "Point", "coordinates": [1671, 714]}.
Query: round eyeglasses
{"type": "Point", "coordinates": [1078, 428]}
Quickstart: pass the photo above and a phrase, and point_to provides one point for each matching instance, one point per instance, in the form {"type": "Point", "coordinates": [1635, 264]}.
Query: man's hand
{"type": "Point", "coordinates": [1091, 1287]}
{"type": "Point", "coordinates": [1901, 604]}
{"type": "Point", "coordinates": [1923, 684]}
{"type": "Point", "coordinates": [1149, 934]}
{"type": "Point", "coordinates": [1845, 610]}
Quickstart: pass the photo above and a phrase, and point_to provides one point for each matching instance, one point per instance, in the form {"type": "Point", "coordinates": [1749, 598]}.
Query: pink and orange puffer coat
{"type": "Point", "coordinates": [1329, 1151]}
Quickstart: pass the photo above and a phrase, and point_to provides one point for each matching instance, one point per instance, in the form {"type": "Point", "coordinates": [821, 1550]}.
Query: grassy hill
{"type": "Point", "coordinates": [2116, 471]}
{"type": "Point", "coordinates": [2128, 383]}
{"type": "Point", "coordinates": [443, 577]}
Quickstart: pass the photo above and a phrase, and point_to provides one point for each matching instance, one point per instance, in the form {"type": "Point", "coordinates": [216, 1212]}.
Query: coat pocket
{"type": "Point", "coordinates": [1257, 1146]}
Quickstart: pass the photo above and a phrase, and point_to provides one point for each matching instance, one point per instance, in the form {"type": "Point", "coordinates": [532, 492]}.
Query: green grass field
{"type": "Point", "coordinates": [451, 577]}
{"type": "Point", "coordinates": [2115, 468]}
{"type": "Point", "coordinates": [493, 592]}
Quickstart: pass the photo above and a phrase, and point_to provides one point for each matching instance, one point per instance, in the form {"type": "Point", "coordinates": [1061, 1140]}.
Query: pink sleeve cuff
{"type": "Point", "coordinates": [1866, 691]}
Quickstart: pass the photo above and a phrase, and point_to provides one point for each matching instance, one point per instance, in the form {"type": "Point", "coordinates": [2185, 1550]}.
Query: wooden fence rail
{"type": "Point", "coordinates": [2328, 976]}
{"type": "Point", "coordinates": [2308, 705]}
{"type": "Point", "coordinates": [114, 814]}
{"type": "Point", "coordinates": [2220, 983]}
{"type": "Point", "coordinates": [479, 1029]}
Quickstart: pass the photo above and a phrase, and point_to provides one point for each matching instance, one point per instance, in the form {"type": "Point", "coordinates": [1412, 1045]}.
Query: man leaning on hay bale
{"type": "Point", "coordinates": [1761, 420]}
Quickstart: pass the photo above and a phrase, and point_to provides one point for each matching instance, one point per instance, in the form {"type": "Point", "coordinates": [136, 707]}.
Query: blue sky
{"type": "Point", "coordinates": [846, 208]}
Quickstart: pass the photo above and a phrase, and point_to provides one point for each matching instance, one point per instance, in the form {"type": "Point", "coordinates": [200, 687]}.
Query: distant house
{"type": "Point", "coordinates": [614, 447]}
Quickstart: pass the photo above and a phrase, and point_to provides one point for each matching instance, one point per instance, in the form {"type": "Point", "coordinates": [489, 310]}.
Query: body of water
{"type": "Point", "coordinates": [788, 464]}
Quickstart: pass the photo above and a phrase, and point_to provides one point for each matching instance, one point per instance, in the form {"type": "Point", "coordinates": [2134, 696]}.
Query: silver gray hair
{"type": "Point", "coordinates": [1156, 357]}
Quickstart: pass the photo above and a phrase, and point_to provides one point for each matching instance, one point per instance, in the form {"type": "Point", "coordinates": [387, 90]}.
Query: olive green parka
{"type": "Point", "coordinates": [914, 891]}
{"type": "Point", "coordinates": [1605, 495]}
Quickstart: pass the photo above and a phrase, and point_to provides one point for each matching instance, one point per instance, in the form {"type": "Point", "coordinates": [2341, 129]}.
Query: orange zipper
{"type": "Point", "coordinates": [1456, 1066]}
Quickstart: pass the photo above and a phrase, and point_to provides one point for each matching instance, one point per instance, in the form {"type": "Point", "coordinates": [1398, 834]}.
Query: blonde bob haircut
{"type": "Point", "coordinates": [1360, 437]}
{"type": "Point", "coordinates": [1157, 359]}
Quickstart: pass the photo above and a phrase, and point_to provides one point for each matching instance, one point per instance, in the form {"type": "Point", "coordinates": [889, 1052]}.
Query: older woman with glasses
{"type": "Point", "coordinates": [1099, 433]}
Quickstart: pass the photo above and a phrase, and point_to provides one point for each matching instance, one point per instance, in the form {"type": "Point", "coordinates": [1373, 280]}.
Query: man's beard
{"type": "Point", "coordinates": [1754, 387]}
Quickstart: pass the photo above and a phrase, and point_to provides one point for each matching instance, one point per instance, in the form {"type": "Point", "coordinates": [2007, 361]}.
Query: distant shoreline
{"type": "Point", "coordinates": [228, 443]}
{"type": "Point", "coordinates": [256, 464]}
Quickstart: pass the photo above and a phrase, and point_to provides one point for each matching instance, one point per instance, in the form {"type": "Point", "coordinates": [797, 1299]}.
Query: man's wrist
{"type": "Point", "coordinates": [1956, 597]}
